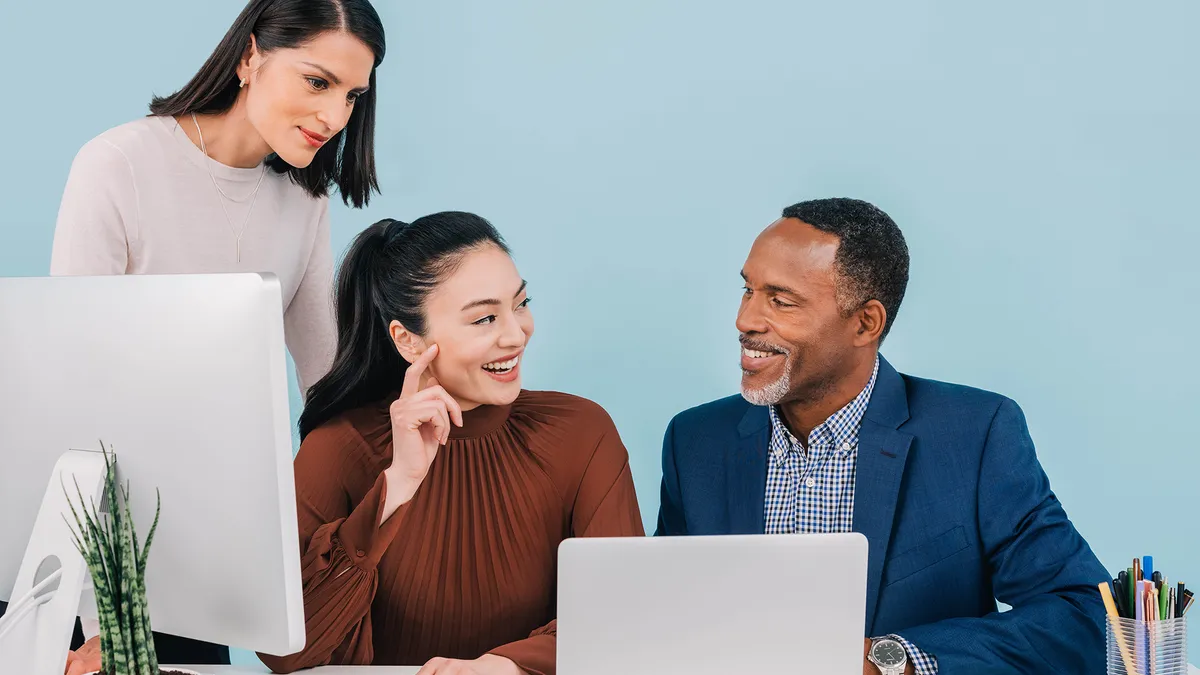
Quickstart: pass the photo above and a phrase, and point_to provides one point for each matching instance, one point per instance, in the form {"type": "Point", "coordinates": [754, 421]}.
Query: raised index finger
{"type": "Point", "coordinates": [412, 377]}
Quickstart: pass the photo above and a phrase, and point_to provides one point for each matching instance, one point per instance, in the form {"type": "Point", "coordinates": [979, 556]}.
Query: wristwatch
{"type": "Point", "coordinates": [888, 655]}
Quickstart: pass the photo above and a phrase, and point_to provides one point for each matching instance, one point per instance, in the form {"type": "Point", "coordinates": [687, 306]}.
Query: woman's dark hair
{"type": "Point", "coordinates": [386, 276]}
{"type": "Point", "coordinates": [348, 160]}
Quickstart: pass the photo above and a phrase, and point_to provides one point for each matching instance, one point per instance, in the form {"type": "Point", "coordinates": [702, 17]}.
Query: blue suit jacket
{"type": "Point", "coordinates": [956, 509]}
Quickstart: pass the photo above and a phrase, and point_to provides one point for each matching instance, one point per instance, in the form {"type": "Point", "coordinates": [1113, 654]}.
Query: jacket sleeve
{"type": "Point", "coordinates": [1040, 566]}
{"type": "Point", "coordinates": [670, 506]}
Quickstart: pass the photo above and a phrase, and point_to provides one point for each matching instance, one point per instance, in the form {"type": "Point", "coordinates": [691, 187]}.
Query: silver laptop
{"type": "Point", "coordinates": [713, 605]}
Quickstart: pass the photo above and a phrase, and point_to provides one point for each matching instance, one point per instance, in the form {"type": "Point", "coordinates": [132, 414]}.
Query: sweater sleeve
{"type": "Point", "coordinates": [340, 493]}
{"type": "Point", "coordinates": [97, 216]}
{"type": "Point", "coordinates": [308, 319]}
{"type": "Point", "coordinates": [605, 506]}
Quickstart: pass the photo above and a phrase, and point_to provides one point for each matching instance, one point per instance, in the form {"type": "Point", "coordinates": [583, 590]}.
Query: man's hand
{"type": "Point", "coordinates": [872, 669]}
{"type": "Point", "coordinates": [86, 659]}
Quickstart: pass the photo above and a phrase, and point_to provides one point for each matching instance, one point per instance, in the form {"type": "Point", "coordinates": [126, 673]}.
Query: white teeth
{"type": "Point", "coordinates": [754, 354]}
{"type": "Point", "coordinates": [503, 365]}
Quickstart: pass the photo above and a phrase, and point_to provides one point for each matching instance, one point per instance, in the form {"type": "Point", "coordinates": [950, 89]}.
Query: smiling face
{"type": "Point", "coordinates": [299, 99]}
{"type": "Point", "coordinates": [479, 318]}
{"type": "Point", "coordinates": [797, 343]}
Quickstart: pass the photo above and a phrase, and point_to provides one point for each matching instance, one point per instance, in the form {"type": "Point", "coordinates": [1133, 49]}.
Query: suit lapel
{"type": "Point", "coordinates": [746, 468]}
{"type": "Point", "coordinates": [882, 454]}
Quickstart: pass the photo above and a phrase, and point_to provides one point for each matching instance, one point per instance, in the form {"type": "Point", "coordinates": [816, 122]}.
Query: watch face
{"type": "Point", "coordinates": [888, 653]}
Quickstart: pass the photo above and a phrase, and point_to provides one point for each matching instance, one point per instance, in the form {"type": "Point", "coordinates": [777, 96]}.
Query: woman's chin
{"type": "Point", "coordinates": [297, 160]}
{"type": "Point", "coordinates": [497, 393]}
{"type": "Point", "coordinates": [509, 395]}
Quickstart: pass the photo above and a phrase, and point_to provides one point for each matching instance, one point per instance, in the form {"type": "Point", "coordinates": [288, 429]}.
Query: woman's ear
{"type": "Point", "coordinates": [251, 60]}
{"type": "Point", "coordinates": [409, 344]}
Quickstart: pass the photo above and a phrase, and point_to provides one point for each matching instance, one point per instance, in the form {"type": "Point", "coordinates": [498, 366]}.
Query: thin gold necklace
{"type": "Point", "coordinates": [221, 193]}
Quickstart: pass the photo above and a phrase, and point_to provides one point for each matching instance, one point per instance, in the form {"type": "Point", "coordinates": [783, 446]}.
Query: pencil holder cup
{"type": "Point", "coordinates": [1147, 647]}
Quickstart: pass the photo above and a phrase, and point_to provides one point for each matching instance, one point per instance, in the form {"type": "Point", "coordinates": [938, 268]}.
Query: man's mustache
{"type": "Point", "coordinates": [761, 346]}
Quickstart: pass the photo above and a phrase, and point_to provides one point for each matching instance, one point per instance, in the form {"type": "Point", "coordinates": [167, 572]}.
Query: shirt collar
{"type": "Point", "coordinates": [840, 431]}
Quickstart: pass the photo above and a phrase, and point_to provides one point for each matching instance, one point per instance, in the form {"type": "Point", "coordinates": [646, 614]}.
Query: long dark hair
{"type": "Point", "coordinates": [348, 160]}
{"type": "Point", "coordinates": [386, 276]}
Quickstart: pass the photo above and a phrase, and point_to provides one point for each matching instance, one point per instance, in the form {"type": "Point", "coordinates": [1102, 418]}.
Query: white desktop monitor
{"type": "Point", "coordinates": [184, 378]}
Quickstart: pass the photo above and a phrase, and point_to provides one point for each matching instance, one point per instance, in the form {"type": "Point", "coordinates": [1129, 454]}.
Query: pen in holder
{"type": "Point", "coordinates": [1138, 647]}
{"type": "Point", "coordinates": [1147, 621]}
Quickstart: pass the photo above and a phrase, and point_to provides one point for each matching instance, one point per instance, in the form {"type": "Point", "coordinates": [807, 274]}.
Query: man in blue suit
{"type": "Point", "coordinates": [942, 479]}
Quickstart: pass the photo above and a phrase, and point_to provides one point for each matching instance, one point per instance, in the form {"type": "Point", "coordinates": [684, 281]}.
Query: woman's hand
{"type": "Point", "coordinates": [421, 420]}
{"type": "Point", "coordinates": [488, 664]}
{"type": "Point", "coordinates": [84, 660]}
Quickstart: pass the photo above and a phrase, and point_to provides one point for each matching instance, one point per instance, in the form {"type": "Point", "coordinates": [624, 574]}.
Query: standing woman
{"type": "Point", "coordinates": [232, 174]}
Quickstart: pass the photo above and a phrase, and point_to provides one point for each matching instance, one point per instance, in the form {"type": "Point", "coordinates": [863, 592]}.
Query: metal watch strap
{"type": "Point", "coordinates": [887, 670]}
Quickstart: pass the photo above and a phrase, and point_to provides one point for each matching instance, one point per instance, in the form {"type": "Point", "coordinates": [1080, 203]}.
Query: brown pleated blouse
{"type": "Point", "coordinates": [468, 566]}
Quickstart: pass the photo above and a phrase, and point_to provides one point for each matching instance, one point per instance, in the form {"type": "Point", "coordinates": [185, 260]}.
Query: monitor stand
{"type": "Point", "coordinates": [35, 637]}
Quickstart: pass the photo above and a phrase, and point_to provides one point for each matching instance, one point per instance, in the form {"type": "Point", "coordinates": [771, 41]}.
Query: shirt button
{"type": "Point", "coordinates": [361, 553]}
{"type": "Point", "coordinates": [811, 482]}
{"type": "Point", "coordinates": [845, 447]}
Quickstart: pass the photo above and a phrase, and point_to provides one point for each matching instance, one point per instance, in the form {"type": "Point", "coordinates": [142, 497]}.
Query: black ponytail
{"type": "Point", "coordinates": [386, 276]}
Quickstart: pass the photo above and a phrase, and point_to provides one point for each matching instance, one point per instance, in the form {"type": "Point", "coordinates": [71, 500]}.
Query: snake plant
{"type": "Point", "coordinates": [117, 564]}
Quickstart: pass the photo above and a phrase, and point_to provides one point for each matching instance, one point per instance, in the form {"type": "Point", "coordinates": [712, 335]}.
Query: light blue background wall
{"type": "Point", "coordinates": [1042, 159]}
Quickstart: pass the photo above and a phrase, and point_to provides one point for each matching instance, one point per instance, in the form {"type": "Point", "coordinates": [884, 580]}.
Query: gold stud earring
{"type": "Point", "coordinates": [243, 83]}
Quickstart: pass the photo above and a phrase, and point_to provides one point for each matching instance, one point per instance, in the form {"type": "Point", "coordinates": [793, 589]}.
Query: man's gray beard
{"type": "Point", "coordinates": [774, 392]}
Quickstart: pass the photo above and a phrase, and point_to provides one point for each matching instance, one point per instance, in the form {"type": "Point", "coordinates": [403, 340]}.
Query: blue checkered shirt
{"type": "Point", "coordinates": [812, 491]}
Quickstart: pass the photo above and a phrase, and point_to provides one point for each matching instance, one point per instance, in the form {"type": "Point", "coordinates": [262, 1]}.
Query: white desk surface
{"type": "Point", "coordinates": [323, 670]}
{"type": "Point", "coordinates": [362, 670]}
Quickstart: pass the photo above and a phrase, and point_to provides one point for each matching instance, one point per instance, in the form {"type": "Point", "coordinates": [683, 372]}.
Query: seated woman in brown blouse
{"type": "Point", "coordinates": [432, 490]}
